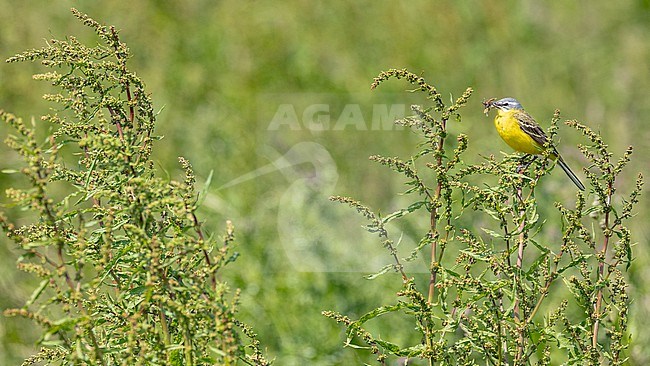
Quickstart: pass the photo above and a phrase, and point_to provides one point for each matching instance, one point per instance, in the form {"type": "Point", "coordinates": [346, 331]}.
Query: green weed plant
{"type": "Point", "coordinates": [486, 300]}
{"type": "Point", "coordinates": [128, 274]}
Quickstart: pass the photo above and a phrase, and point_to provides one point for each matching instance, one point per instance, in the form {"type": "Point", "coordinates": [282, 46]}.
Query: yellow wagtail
{"type": "Point", "coordinates": [519, 130]}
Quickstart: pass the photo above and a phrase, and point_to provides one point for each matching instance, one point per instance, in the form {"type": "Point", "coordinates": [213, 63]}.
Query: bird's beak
{"type": "Point", "coordinates": [488, 104]}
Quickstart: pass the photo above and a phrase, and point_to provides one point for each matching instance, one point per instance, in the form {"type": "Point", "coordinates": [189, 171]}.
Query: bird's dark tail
{"type": "Point", "coordinates": [569, 173]}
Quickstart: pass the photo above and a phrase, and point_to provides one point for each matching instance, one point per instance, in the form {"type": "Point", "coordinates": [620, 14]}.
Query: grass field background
{"type": "Point", "coordinates": [274, 98]}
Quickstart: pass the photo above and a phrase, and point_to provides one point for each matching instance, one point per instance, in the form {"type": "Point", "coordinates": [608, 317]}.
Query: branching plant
{"type": "Point", "coordinates": [129, 275]}
{"type": "Point", "coordinates": [492, 267]}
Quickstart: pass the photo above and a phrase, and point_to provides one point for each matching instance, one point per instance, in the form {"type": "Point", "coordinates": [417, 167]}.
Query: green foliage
{"type": "Point", "coordinates": [487, 295]}
{"type": "Point", "coordinates": [217, 68]}
{"type": "Point", "coordinates": [128, 274]}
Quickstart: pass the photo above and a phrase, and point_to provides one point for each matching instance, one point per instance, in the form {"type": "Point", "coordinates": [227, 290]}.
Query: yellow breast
{"type": "Point", "coordinates": [509, 130]}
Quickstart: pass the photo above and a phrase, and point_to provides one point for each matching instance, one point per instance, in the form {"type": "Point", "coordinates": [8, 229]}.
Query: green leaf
{"type": "Point", "coordinates": [63, 324]}
{"type": "Point", "coordinates": [385, 269]}
{"type": "Point", "coordinates": [493, 234]}
{"type": "Point", "coordinates": [356, 326]}
{"type": "Point", "coordinates": [37, 292]}
{"type": "Point", "coordinates": [414, 253]}
{"type": "Point", "coordinates": [138, 290]}
{"type": "Point", "coordinates": [478, 256]}
{"type": "Point", "coordinates": [535, 265]}
{"type": "Point", "coordinates": [542, 249]}
{"type": "Point", "coordinates": [575, 262]}
{"type": "Point", "coordinates": [356, 346]}
{"type": "Point", "coordinates": [380, 311]}
{"type": "Point", "coordinates": [390, 347]}
{"type": "Point", "coordinates": [204, 192]}
{"type": "Point", "coordinates": [399, 213]}
{"type": "Point", "coordinates": [492, 213]}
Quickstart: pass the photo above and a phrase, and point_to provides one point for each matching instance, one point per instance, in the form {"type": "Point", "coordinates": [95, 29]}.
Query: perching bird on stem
{"type": "Point", "coordinates": [519, 130]}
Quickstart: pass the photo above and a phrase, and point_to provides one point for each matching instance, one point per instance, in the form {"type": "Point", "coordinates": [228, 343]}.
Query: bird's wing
{"type": "Point", "coordinates": [531, 128]}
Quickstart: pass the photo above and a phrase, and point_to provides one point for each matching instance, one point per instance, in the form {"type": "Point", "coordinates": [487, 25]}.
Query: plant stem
{"type": "Point", "coordinates": [601, 267]}
{"type": "Point", "coordinates": [187, 340]}
{"type": "Point", "coordinates": [544, 292]}
{"type": "Point", "coordinates": [206, 255]}
{"type": "Point", "coordinates": [434, 215]}
{"type": "Point", "coordinates": [434, 245]}
{"type": "Point", "coordinates": [519, 264]}
{"type": "Point", "coordinates": [500, 341]}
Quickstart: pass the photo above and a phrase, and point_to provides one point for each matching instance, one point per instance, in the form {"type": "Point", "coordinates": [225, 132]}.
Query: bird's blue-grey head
{"type": "Point", "coordinates": [507, 104]}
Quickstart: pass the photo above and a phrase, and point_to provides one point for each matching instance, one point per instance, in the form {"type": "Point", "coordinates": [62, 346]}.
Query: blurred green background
{"type": "Point", "coordinates": [274, 97]}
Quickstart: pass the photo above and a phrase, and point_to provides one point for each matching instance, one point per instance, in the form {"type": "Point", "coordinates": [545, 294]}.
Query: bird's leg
{"type": "Point", "coordinates": [524, 162]}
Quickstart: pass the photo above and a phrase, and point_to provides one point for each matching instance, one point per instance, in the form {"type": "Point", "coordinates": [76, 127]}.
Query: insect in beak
{"type": "Point", "coordinates": [488, 104]}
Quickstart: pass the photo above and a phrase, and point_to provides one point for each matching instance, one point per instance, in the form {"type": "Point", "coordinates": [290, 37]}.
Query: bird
{"type": "Point", "coordinates": [520, 131]}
